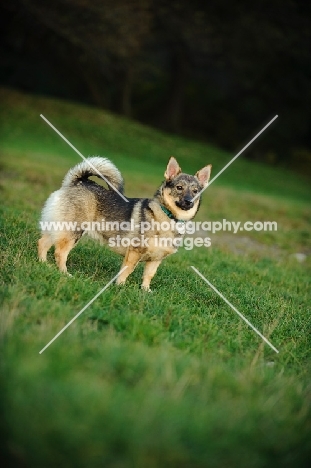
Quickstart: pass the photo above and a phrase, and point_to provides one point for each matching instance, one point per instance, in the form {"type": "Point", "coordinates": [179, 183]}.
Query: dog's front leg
{"type": "Point", "coordinates": [130, 261]}
{"type": "Point", "coordinates": [149, 272]}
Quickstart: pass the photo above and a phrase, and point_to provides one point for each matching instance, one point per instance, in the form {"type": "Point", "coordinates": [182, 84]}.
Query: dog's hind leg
{"type": "Point", "coordinates": [130, 261]}
{"type": "Point", "coordinates": [44, 244]}
{"type": "Point", "coordinates": [149, 272]}
{"type": "Point", "coordinates": [62, 249]}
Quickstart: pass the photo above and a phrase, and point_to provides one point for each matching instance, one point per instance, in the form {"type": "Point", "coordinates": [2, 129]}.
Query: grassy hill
{"type": "Point", "coordinates": [174, 378]}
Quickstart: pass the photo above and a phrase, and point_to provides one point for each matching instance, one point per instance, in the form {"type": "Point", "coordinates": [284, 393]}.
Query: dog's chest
{"type": "Point", "coordinates": [160, 246]}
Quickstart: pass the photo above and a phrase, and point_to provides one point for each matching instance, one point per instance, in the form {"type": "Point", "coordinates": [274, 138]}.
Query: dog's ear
{"type": "Point", "coordinates": [204, 175]}
{"type": "Point", "coordinates": [172, 169]}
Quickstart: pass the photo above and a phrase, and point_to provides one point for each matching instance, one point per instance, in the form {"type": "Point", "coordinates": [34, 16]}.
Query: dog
{"type": "Point", "coordinates": [81, 202]}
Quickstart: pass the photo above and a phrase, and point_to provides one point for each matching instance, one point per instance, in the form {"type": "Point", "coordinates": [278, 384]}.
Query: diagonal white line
{"type": "Point", "coordinates": [82, 310]}
{"type": "Point", "coordinates": [235, 157]}
{"type": "Point", "coordinates": [235, 310]}
{"type": "Point", "coordinates": [85, 159]}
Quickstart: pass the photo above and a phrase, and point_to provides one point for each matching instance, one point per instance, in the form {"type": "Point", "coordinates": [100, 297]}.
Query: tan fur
{"type": "Point", "coordinates": [180, 214]}
{"type": "Point", "coordinates": [44, 244]}
{"type": "Point", "coordinates": [149, 272]}
{"type": "Point", "coordinates": [130, 261]}
{"type": "Point", "coordinates": [62, 249]}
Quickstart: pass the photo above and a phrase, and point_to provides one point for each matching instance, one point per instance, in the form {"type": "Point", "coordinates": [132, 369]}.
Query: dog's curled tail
{"type": "Point", "coordinates": [94, 166]}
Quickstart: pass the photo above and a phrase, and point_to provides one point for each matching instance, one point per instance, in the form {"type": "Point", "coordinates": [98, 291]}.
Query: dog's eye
{"type": "Point", "coordinates": [179, 187]}
{"type": "Point", "coordinates": [195, 190]}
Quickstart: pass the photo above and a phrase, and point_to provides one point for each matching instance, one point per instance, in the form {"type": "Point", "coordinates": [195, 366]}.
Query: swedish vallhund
{"type": "Point", "coordinates": [84, 203]}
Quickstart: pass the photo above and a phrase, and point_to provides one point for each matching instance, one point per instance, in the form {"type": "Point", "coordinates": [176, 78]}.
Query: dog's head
{"type": "Point", "coordinates": [179, 189]}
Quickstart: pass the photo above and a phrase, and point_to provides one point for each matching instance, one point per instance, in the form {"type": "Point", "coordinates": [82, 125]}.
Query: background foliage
{"type": "Point", "coordinates": [215, 69]}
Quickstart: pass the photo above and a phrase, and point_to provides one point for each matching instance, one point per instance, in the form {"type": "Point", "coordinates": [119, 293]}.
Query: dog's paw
{"type": "Point", "coordinates": [120, 283]}
{"type": "Point", "coordinates": [66, 273]}
{"type": "Point", "coordinates": [146, 289]}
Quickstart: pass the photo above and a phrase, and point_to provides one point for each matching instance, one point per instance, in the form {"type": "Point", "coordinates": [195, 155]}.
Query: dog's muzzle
{"type": "Point", "coordinates": [185, 204]}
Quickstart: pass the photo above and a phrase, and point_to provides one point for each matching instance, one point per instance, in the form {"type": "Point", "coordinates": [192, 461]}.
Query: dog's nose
{"type": "Point", "coordinates": [188, 201]}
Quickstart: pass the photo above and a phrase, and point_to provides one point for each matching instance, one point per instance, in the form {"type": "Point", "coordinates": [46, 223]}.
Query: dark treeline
{"type": "Point", "coordinates": [216, 70]}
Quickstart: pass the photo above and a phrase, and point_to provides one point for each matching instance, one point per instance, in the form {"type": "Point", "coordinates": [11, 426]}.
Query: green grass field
{"type": "Point", "coordinates": [169, 379]}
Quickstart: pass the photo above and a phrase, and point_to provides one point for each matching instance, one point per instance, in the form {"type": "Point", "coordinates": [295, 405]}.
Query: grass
{"type": "Point", "coordinates": [169, 379]}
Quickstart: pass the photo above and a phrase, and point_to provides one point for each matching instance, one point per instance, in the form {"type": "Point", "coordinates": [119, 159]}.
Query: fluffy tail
{"type": "Point", "coordinates": [95, 166]}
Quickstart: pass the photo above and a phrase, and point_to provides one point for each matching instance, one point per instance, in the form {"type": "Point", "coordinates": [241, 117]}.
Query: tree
{"type": "Point", "coordinates": [106, 35]}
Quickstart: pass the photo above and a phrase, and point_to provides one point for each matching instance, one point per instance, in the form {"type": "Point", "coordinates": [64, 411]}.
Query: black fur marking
{"type": "Point", "coordinates": [169, 184]}
{"type": "Point", "coordinates": [84, 180]}
{"type": "Point", "coordinates": [145, 207]}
